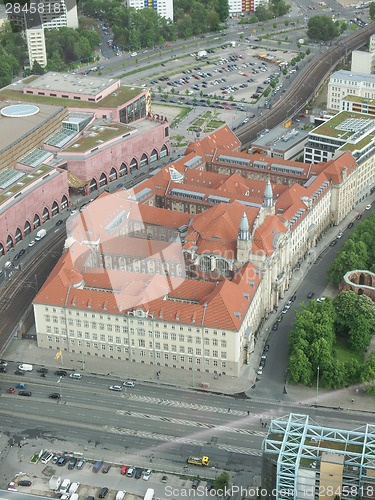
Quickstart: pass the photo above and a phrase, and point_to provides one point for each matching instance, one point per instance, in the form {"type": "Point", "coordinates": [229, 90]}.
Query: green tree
{"type": "Point", "coordinates": [37, 68]}
{"type": "Point", "coordinates": [286, 38]}
{"type": "Point", "coordinates": [368, 371]}
{"type": "Point", "coordinates": [308, 51]}
{"type": "Point", "coordinates": [359, 333]}
{"type": "Point", "coordinates": [322, 28]}
{"type": "Point", "coordinates": [5, 72]}
{"type": "Point", "coordinates": [286, 22]}
{"type": "Point", "coordinates": [299, 368]}
{"type": "Point", "coordinates": [222, 9]}
{"type": "Point", "coordinates": [221, 481]}
{"type": "Point", "coordinates": [372, 10]}
{"type": "Point", "coordinates": [345, 305]}
{"type": "Point", "coordinates": [274, 25]}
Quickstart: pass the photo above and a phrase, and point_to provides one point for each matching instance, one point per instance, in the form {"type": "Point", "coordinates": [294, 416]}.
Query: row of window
{"type": "Point", "coordinates": [140, 322]}
{"type": "Point", "coordinates": [118, 340]}
{"type": "Point", "coordinates": [142, 353]}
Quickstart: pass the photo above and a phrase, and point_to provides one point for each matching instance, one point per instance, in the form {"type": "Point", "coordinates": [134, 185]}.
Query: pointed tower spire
{"type": "Point", "coordinates": [268, 195]}
{"type": "Point", "coordinates": [243, 233]}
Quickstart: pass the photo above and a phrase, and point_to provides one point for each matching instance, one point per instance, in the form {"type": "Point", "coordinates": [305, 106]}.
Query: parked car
{"type": "Point", "coordinates": [32, 243]}
{"type": "Point", "coordinates": [18, 372]}
{"type": "Point", "coordinates": [62, 461]}
{"type": "Point", "coordinates": [124, 469]}
{"type": "Point", "coordinates": [138, 473]}
{"type": "Point", "coordinates": [340, 235]}
{"type": "Point", "coordinates": [350, 225]}
{"type": "Point", "coordinates": [359, 216]}
{"type": "Point", "coordinates": [333, 243]}
{"type": "Point", "coordinates": [147, 474]}
{"type": "Point", "coordinates": [3, 369]}
{"type": "Point", "coordinates": [275, 326]}
{"type": "Point", "coordinates": [195, 483]}
{"type": "Point", "coordinates": [103, 492]}
{"type": "Point", "coordinates": [11, 390]}
{"type": "Point", "coordinates": [59, 222]}
{"type": "Point", "coordinates": [80, 464]}
{"type": "Point", "coordinates": [106, 468]}
{"type": "Point", "coordinates": [260, 370]}
{"type": "Point", "coordinates": [368, 207]}
{"type": "Point", "coordinates": [164, 479]}
{"type": "Point", "coordinates": [266, 348]}
{"type": "Point", "coordinates": [3, 363]}
{"type": "Point", "coordinates": [72, 463]}
{"type": "Point", "coordinates": [61, 373]}
{"type": "Point", "coordinates": [130, 472]}
{"type": "Point", "coordinates": [310, 295]}
{"type": "Point", "coordinates": [129, 383]}
{"type": "Point", "coordinates": [24, 482]}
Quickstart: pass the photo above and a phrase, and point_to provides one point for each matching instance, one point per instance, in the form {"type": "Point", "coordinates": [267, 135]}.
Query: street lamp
{"type": "Point", "coordinates": [317, 386]}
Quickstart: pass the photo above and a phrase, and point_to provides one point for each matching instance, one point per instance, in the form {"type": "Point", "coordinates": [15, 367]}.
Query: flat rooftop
{"type": "Point", "coordinates": [344, 125]}
{"type": "Point", "coordinates": [97, 134]}
{"type": "Point", "coordinates": [281, 138]}
{"type": "Point", "coordinates": [118, 97]}
{"type": "Point", "coordinates": [14, 128]}
{"type": "Point", "coordinates": [12, 181]}
{"type": "Point", "coordinates": [362, 100]}
{"type": "Point", "coordinates": [70, 82]}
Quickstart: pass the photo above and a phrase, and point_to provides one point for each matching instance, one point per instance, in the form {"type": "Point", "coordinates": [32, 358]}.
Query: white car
{"type": "Point", "coordinates": [75, 375]}
{"type": "Point", "coordinates": [117, 388]}
{"type": "Point", "coordinates": [368, 207]}
{"type": "Point", "coordinates": [321, 299]}
{"type": "Point", "coordinates": [73, 212]}
{"type": "Point", "coordinates": [340, 235]}
{"type": "Point", "coordinates": [32, 243]}
{"type": "Point", "coordinates": [260, 370]}
{"type": "Point", "coordinates": [129, 383]}
{"type": "Point", "coordinates": [133, 54]}
{"type": "Point", "coordinates": [147, 474]}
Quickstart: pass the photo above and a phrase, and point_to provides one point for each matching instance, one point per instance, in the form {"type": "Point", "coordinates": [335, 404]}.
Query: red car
{"type": "Point", "coordinates": [11, 390]}
{"type": "Point", "coordinates": [123, 470]}
{"type": "Point", "coordinates": [302, 115]}
{"type": "Point", "coordinates": [252, 116]}
{"type": "Point", "coordinates": [359, 216]}
{"type": "Point", "coordinates": [168, 45]}
{"type": "Point", "coordinates": [245, 74]}
{"type": "Point", "coordinates": [228, 107]}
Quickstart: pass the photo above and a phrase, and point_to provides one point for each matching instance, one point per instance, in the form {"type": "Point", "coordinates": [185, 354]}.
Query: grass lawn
{"type": "Point", "coordinates": [344, 353]}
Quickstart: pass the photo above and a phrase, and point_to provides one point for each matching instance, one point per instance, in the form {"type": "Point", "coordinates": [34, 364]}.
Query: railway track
{"type": "Point", "coordinates": [18, 293]}
{"type": "Point", "coordinates": [304, 88]}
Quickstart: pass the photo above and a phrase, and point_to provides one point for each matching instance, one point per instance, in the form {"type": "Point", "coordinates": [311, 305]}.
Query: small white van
{"type": "Point", "coordinates": [65, 486]}
{"type": "Point", "coordinates": [46, 458]}
{"type": "Point", "coordinates": [120, 495]}
{"type": "Point", "coordinates": [25, 367]}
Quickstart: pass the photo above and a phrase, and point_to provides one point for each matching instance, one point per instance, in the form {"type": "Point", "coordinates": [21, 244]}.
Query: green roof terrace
{"type": "Point", "coordinates": [24, 181]}
{"type": "Point", "coordinates": [98, 134]}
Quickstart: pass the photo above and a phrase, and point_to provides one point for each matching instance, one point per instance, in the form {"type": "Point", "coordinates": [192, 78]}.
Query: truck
{"type": "Point", "coordinates": [198, 461]}
{"type": "Point", "coordinates": [40, 234]}
{"type": "Point", "coordinates": [201, 54]}
{"type": "Point", "coordinates": [54, 483]}
{"type": "Point", "coordinates": [149, 495]}
{"type": "Point", "coordinates": [97, 466]}
{"type": "Point", "coordinates": [233, 44]}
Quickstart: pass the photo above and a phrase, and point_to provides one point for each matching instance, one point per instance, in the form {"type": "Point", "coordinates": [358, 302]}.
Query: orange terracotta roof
{"type": "Point", "coordinates": [267, 234]}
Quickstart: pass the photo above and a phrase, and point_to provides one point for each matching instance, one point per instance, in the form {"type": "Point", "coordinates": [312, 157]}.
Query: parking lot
{"type": "Point", "coordinates": [237, 78]}
{"type": "Point", "coordinates": [134, 481]}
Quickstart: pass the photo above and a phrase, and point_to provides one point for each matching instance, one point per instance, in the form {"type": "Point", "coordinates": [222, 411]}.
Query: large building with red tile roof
{"type": "Point", "coordinates": [181, 271]}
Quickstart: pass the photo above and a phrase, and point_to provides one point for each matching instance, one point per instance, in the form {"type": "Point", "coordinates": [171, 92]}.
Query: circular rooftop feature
{"type": "Point", "coordinates": [19, 110]}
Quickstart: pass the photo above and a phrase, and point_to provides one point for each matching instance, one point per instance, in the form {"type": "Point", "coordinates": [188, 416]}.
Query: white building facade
{"type": "Point", "coordinates": [343, 83]}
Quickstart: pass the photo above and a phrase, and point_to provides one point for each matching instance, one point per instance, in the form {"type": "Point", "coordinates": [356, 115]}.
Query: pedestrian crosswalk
{"type": "Point", "coordinates": [184, 440]}
{"type": "Point", "coordinates": [192, 423]}
{"type": "Point", "coordinates": [190, 406]}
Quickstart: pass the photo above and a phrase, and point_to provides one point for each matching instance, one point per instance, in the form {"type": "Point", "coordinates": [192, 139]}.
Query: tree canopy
{"type": "Point", "coordinates": [358, 252]}
{"type": "Point", "coordinates": [322, 28]}
{"type": "Point", "coordinates": [349, 319]}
